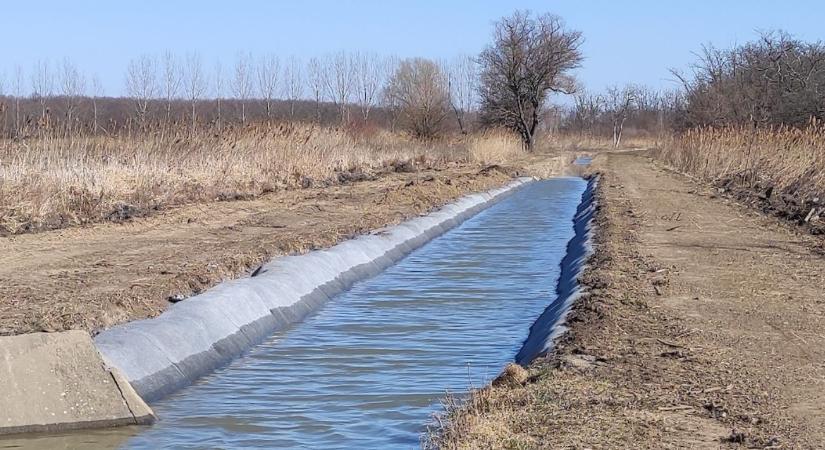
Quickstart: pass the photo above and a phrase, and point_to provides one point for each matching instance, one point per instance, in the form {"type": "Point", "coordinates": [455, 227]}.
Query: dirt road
{"type": "Point", "coordinates": [703, 329]}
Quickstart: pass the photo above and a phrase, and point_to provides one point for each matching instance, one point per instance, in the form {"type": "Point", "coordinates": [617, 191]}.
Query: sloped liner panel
{"type": "Point", "coordinates": [194, 337]}
{"type": "Point", "coordinates": [550, 323]}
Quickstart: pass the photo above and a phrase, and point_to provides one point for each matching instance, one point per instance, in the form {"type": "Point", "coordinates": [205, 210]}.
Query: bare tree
{"type": "Point", "coordinates": [418, 92]}
{"type": "Point", "coordinates": [42, 86]}
{"type": "Point", "coordinates": [316, 84]}
{"type": "Point", "coordinates": [172, 81]}
{"type": "Point", "coordinates": [267, 71]}
{"type": "Point", "coordinates": [72, 87]}
{"type": "Point", "coordinates": [463, 86]}
{"type": "Point", "coordinates": [195, 83]}
{"type": "Point", "coordinates": [219, 87]}
{"type": "Point", "coordinates": [370, 73]}
{"type": "Point", "coordinates": [141, 84]}
{"type": "Point", "coordinates": [619, 104]}
{"type": "Point", "coordinates": [293, 84]}
{"type": "Point", "coordinates": [96, 92]}
{"type": "Point", "coordinates": [17, 90]}
{"type": "Point", "coordinates": [587, 111]}
{"type": "Point", "coordinates": [530, 56]}
{"type": "Point", "coordinates": [776, 79]}
{"type": "Point", "coordinates": [3, 105]}
{"type": "Point", "coordinates": [242, 81]}
{"type": "Point", "coordinates": [338, 81]}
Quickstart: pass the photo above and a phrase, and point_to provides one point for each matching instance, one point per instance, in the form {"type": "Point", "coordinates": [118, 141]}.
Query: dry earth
{"type": "Point", "coordinates": [96, 276]}
{"type": "Point", "coordinates": [703, 328]}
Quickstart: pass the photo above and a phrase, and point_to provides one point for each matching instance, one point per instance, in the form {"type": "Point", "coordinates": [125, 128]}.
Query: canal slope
{"type": "Point", "coordinates": [369, 368]}
{"type": "Point", "coordinates": [701, 328]}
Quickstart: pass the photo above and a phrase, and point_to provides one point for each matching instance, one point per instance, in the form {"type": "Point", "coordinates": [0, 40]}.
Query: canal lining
{"type": "Point", "coordinates": [194, 337]}
{"type": "Point", "coordinates": [550, 324]}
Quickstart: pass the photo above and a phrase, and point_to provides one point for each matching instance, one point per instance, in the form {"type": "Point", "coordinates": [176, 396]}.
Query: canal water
{"type": "Point", "coordinates": [368, 369]}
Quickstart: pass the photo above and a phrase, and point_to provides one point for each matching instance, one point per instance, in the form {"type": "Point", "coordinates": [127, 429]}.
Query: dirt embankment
{"type": "Point", "coordinates": [97, 276]}
{"type": "Point", "coordinates": [702, 329]}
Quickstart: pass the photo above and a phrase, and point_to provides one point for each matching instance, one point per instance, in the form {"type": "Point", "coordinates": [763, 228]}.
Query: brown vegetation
{"type": "Point", "coordinates": [53, 182]}
{"type": "Point", "coordinates": [780, 169]}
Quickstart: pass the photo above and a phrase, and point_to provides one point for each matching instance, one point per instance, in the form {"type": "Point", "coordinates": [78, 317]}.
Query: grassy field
{"type": "Point", "coordinates": [54, 182]}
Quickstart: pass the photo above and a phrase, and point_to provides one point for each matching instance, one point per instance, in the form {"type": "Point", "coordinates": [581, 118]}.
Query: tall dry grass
{"type": "Point", "coordinates": [53, 182]}
{"type": "Point", "coordinates": [786, 160]}
{"type": "Point", "coordinates": [494, 147]}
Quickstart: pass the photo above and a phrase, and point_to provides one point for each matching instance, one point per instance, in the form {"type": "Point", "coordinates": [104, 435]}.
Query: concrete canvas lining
{"type": "Point", "coordinates": [550, 324]}
{"type": "Point", "coordinates": [196, 336]}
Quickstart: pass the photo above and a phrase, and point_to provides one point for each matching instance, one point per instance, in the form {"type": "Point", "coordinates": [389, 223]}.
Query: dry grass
{"type": "Point", "coordinates": [50, 182]}
{"type": "Point", "coordinates": [494, 147]}
{"type": "Point", "coordinates": [589, 142]}
{"type": "Point", "coordinates": [787, 161]}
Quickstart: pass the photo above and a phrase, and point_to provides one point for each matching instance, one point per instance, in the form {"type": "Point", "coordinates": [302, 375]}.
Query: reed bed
{"type": "Point", "coordinates": [784, 160]}
{"type": "Point", "coordinates": [494, 147]}
{"type": "Point", "coordinates": [53, 182]}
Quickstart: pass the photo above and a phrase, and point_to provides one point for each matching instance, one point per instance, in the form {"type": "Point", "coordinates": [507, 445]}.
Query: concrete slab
{"type": "Point", "coordinates": [52, 382]}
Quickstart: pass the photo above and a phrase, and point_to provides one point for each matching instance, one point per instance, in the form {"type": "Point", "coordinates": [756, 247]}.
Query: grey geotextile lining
{"type": "Point", "coordinates": [202, 333]}
{"type": "Point", "coordinates": [550, 323]}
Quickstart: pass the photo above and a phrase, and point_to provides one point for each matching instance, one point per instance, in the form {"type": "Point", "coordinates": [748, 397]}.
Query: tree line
{"type": "Point", "coordinates": [507, 85]}
{"type": "Point", "coordinates": [776, 79]}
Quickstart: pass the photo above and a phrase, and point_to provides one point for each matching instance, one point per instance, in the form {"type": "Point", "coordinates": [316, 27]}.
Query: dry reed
{"type": "Point", "coordinates": [50, 182]}
{"type": "Point", "coordinates": [788, 161]}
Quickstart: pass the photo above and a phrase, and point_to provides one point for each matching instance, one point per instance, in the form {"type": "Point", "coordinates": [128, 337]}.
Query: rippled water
{"type": "Point", "coordinates": [369, 368]}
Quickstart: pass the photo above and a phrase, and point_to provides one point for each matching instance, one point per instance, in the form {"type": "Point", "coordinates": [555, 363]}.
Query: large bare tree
{"type": "Point", "coordinates": [418, 92]}
{"type": "Point", "coordinates": [530, 57]}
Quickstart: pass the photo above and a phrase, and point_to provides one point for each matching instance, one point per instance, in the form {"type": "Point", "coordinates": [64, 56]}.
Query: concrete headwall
{"type": "Point", "coordinates": [56, 382]}
{"type": "Point", "coordinates": [550, 323]}
{"type": "Point", "coordinates": [196, 336]}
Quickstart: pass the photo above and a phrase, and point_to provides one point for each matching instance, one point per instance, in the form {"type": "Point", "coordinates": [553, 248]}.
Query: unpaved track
{"type": "Point", "coordinates": [747, 294]}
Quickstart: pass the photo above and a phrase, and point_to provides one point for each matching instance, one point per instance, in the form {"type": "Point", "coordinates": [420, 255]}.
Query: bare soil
{"type": "Point", "coordinates": [703, 328]}
{"type": "Point", "coordinates": [96, 276]}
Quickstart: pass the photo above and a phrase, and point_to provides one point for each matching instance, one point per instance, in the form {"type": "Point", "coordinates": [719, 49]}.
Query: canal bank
{"type": "Point", "coordinates": [369, 368]}
{"type": "Point", "coordinates": [194, 337]}
{"type": "Point", "coordinates": [444, 222]}
{"type": "Point", "coordinates": [701, 329]}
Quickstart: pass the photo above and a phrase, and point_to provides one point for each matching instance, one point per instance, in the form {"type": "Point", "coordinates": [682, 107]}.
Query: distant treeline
{"type": "Point", "coordinates": [772, 81]}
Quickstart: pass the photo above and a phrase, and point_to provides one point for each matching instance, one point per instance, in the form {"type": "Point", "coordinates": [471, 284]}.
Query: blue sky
{"type": "Point", "coordinates": [625, 41]}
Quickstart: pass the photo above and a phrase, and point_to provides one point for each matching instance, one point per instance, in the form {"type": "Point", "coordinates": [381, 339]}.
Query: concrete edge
{"type": "Point", "coordinates": [57, 382]}
{"type": "Point", "coordinates": [194, 337]}
{"type": "Point", "coordinates": [550, 324]}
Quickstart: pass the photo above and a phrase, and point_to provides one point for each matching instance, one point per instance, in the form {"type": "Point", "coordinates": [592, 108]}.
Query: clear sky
{"type": "Point", "coordinates": [625, 41]}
